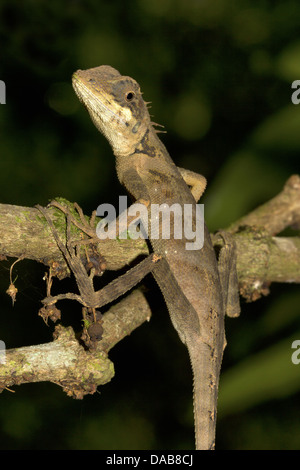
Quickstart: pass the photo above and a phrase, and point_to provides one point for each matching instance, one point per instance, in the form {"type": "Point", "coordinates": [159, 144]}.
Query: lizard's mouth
{"type": "Point", "coordinates": [99, 106]}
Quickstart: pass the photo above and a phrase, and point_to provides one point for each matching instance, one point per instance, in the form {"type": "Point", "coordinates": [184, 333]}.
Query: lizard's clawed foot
{"type": "Point", "coordinates": [95, 263]}
{"type": "Point", "coordinates": [85, 225]}
{"type": "Point", "coordinates": [83, 270]}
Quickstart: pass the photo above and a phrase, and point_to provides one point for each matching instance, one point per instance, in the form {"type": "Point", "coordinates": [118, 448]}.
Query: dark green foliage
{"type": "Point", "coordinates": [219, 75]}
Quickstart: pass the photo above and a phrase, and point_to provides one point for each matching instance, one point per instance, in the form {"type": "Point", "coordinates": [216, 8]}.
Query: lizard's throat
{"type": "Point", "coordinates": [131, 143]}
{"type": "Point", "coordinates": [148, 144]}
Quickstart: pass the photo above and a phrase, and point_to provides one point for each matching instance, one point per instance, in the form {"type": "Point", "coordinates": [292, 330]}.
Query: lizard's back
{"type": "Point", "coordinates": [189, 282]}
{"type": "Point", "coordinates": [188, 279]}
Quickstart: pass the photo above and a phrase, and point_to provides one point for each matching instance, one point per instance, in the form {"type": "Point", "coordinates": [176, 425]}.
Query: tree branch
{"type": "Point", "coordinates": [66, 362]}
{"type": "Point", "coordinates": [275, 215]}
{"type": "Point", "coordinates": [262, 258]}
{"type": "Point", "coordinates": [24, 232]}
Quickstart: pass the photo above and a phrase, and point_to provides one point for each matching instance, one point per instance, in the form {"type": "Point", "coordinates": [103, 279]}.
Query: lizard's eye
{"type": "Point", "coordinates": [129, 96]}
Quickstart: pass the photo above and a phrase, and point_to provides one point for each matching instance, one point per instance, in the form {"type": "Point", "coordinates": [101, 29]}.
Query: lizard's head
{"type": "Point", "coordinates": [115, 105]}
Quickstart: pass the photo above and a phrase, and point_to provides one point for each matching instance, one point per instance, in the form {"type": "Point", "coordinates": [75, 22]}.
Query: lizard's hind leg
{"type": "Point", "coordinates": [227, 272]}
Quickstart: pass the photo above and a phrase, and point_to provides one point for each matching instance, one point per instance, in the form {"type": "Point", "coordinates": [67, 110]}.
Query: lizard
{"type": "Point", "coordinates": [197, 288]}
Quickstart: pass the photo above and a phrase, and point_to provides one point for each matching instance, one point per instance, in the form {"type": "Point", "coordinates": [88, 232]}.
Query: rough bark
{"type": "Point", "coordinates": [262, 258]}
{"type": "Point", "coordinates": [66, 362]}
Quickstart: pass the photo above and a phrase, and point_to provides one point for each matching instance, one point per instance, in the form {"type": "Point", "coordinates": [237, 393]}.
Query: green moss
{"type": "Point", "coordinates": [26, 214]}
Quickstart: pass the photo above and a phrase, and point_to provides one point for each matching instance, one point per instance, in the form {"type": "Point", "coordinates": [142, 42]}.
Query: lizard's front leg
{"type": "Point", "coordinates": [88, 297]}
{"type": "Point", "coordinates": [196, 182]}
{"type": "Point", "coordinates": [116, 228]}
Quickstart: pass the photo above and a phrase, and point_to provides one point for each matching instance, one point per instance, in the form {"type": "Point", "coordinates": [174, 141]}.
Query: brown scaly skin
{"type": "Point", "coordinates": [189, 279]}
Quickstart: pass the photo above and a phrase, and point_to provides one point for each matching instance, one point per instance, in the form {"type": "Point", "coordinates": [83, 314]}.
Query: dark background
{"type": "Point", "coordinates": [219, 75]}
